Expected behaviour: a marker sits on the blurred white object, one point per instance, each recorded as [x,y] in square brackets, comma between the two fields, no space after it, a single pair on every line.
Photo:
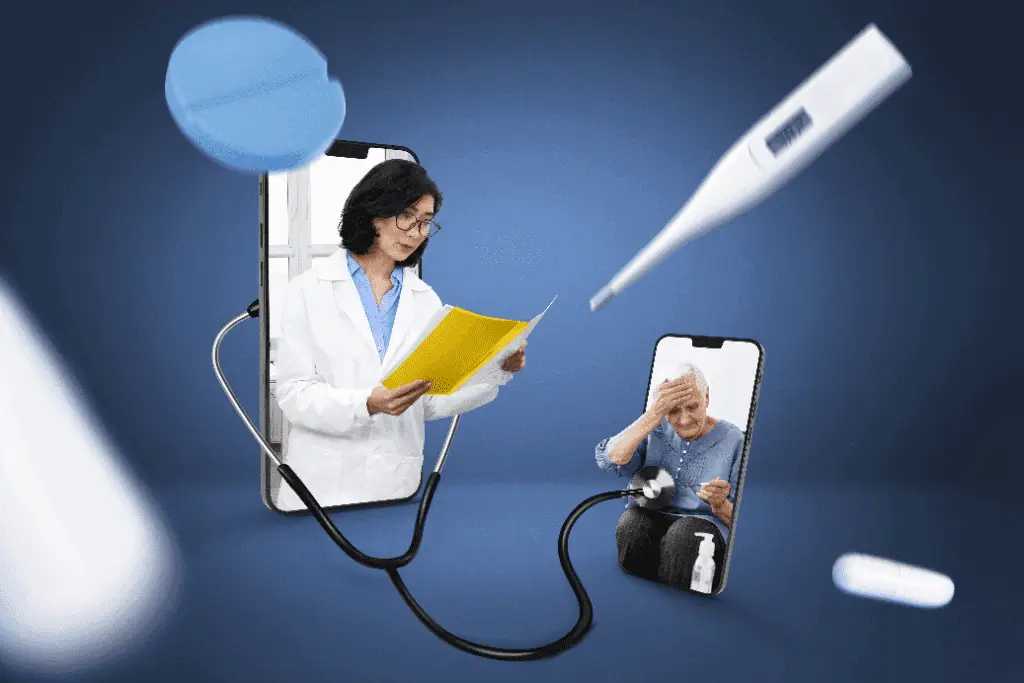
[882,579]
[821,110]
[87,562]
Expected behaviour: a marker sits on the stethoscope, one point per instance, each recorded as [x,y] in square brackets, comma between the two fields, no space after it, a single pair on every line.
[652,488]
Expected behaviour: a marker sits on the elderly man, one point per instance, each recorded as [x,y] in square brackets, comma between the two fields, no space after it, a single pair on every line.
[703,455]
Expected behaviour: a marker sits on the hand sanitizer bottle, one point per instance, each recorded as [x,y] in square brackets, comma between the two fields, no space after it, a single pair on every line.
[704,567]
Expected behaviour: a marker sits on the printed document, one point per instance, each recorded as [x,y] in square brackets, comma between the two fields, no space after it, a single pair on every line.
[458,347]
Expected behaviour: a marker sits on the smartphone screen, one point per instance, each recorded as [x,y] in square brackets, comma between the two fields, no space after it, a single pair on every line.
[702,441]
[300,214]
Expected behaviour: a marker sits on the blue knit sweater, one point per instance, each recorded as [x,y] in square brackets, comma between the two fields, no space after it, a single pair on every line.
[691,463]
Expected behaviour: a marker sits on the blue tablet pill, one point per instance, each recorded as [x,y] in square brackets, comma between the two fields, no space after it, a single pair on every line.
[253,94]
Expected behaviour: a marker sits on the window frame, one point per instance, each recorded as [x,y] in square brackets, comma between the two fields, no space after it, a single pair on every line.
[300,251]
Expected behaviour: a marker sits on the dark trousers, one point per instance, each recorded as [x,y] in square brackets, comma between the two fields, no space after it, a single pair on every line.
[663,548]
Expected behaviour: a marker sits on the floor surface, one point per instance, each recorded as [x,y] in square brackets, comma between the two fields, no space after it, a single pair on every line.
[270,598]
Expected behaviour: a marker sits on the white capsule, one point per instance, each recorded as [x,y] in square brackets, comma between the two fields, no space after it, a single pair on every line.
[86,562]
[881,579]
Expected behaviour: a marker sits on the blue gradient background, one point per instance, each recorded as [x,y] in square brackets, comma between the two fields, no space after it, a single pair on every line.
[881,282]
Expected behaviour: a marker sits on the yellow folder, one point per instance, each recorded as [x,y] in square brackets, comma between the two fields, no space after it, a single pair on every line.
[455,346]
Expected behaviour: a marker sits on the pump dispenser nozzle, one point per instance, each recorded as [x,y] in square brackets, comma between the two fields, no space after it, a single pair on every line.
[707,546]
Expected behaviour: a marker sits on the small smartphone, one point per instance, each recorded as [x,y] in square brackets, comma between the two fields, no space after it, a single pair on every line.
[300,211]
[716,429]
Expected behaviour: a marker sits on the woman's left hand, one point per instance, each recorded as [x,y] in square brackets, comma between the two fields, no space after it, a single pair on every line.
[715,493]
[517,361]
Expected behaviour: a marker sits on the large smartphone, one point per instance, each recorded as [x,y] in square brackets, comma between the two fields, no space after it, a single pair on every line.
[731,371]
[300,212]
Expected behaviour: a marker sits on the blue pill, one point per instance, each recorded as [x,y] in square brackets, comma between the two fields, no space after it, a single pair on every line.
[253,95]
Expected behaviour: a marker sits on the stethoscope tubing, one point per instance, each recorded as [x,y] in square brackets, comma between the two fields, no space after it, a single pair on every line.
[391,565]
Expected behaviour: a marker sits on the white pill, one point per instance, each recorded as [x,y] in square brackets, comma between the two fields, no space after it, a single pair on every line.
[881,579]
[86,562]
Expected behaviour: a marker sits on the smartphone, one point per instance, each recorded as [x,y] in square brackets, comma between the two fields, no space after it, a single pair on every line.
[300,212]
[728,372]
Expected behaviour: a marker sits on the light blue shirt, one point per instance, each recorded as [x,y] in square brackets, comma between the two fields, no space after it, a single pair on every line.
[691,463]
[381,317]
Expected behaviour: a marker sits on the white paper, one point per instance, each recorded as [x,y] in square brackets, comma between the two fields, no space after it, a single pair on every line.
[492,373]
[432,323]
[488,374]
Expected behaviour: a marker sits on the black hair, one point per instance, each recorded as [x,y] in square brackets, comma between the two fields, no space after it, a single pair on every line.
[388,189]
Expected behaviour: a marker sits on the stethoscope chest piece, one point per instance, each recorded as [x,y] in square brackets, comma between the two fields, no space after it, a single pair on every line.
[657,485]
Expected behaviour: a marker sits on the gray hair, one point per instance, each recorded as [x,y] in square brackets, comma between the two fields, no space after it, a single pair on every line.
[684,369]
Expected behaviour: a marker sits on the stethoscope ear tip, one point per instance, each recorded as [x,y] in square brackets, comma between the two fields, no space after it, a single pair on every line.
[254,309]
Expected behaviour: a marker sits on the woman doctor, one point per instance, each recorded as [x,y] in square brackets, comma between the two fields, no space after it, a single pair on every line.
[352,440]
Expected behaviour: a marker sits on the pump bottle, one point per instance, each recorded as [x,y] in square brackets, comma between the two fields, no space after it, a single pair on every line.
[704,568]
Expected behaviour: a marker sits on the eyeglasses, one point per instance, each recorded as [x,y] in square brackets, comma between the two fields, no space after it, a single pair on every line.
[407,222]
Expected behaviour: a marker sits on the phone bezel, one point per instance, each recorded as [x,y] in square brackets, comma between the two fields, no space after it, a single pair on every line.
[705,341]
[342,148]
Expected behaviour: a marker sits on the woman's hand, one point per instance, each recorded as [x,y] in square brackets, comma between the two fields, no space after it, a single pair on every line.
[395,401]
[674,394]
[716,494]
[517,361]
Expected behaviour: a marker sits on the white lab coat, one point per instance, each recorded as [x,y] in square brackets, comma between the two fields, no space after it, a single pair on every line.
[327,365]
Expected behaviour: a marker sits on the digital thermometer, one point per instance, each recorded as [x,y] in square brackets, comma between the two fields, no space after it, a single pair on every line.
[824,107]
